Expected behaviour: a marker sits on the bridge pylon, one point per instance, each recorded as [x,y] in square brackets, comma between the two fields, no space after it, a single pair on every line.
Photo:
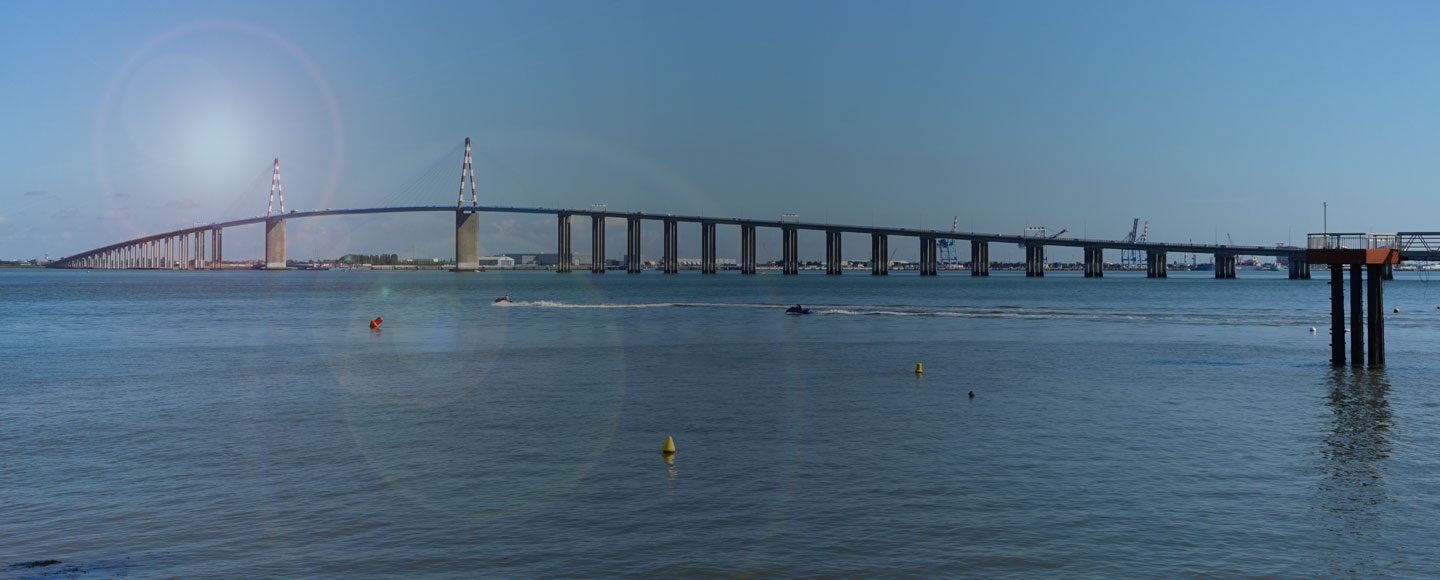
[275,223]
[467,222]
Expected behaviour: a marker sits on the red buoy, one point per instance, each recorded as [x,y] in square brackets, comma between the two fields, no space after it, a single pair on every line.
[375,324]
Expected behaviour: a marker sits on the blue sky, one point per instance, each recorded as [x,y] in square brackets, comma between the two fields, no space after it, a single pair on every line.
[1204,118]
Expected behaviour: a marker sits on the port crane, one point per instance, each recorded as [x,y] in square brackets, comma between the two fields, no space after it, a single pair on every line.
[947,245]
[1138,235]
[1039,232]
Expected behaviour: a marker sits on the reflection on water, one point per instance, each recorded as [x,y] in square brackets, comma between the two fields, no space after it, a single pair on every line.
[1353,496]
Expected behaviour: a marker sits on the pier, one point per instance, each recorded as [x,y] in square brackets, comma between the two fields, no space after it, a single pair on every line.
[1370,259]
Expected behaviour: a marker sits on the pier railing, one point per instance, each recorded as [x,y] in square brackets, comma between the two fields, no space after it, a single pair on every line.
[1353,241]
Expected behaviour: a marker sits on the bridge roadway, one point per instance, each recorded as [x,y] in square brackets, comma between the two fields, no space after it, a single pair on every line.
[187,247]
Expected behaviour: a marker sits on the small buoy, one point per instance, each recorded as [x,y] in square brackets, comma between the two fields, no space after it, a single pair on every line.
[375,324]
[972,394]
[1312,330]
[919,368]
[669,447]
[1396,311]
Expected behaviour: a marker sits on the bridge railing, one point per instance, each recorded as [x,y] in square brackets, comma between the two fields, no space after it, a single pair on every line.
[1419,241]
[1353,241]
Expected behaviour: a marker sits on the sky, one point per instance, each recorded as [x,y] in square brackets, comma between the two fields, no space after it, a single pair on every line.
[1206,119]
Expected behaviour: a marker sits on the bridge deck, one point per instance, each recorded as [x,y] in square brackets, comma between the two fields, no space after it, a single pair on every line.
[1219,249]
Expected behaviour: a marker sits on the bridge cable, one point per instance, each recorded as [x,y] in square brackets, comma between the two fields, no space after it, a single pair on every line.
[427,185]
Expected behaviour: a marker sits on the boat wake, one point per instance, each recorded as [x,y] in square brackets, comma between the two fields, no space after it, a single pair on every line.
[979,312]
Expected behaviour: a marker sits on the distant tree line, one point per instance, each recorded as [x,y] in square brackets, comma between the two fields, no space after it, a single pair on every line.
[381,259]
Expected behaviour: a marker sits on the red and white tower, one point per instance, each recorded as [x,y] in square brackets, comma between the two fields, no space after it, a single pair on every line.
[276,190]
[467,170]
[467,221]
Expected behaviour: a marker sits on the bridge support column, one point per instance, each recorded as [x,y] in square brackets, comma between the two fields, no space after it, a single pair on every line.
[564,257]
[707,248]
[832,253]
[1094,262]
[1376,310]
[274,244]
[597,244]
[1034,260]
[632,245]
[1224,266]
[790,242]
[1357,320]
[467,241]
[200,262]
[747,249]
[219,246]
[929,256]
[979,258]
[879,255]
[1387,272]
[1155,266]
[672,247]
[1337,312]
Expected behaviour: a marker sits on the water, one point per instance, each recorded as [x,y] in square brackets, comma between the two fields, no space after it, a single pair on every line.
[249,424]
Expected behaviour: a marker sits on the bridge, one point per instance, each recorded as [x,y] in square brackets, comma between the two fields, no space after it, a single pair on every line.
[201,247]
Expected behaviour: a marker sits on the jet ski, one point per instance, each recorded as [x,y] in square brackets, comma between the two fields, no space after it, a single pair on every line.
[797,310]
[502,300]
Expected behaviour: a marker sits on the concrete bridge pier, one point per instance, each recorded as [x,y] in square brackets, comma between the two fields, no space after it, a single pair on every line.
[832,253]
[564,257]
[1034,260]
[1155,265]
[672,247]
[632,245]
[597,244]
[218,240]
[791,250]
[1224,266]
[929,256]
[1094,262]
[979,258]
[201,263]
[747,249]
[707,248]
[879,255]
[1298,268]
[274,244]
[467,241]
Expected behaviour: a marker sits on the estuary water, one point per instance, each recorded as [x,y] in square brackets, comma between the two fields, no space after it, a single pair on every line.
[249,424]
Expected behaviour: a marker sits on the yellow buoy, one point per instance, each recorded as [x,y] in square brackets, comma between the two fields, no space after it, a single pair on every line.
[669,446]
[919,368]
